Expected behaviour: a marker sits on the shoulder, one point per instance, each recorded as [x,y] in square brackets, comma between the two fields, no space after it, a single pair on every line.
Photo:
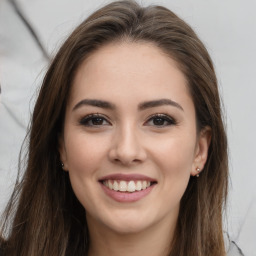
[232,248]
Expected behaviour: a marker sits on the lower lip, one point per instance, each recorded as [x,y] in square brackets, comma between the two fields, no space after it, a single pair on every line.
[127,197]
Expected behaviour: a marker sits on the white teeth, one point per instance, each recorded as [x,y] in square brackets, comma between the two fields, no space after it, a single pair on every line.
[144,184]
[126,186]
[115,186]
[131,186]
[110,184]
[123,186]
[138,186]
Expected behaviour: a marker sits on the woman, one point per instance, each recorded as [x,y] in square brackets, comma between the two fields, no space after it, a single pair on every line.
[127,152]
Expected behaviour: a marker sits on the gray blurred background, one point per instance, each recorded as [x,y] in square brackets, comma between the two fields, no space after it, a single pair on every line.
[32,30]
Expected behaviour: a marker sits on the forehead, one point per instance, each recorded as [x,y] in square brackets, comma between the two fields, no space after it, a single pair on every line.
[129,69]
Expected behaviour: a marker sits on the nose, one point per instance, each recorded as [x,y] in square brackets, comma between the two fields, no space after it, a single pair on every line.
[127,148]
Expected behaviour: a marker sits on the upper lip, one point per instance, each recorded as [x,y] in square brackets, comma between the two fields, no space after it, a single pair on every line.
[127,177]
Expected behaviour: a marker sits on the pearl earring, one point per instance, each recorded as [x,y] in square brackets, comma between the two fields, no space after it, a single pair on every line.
[198,171]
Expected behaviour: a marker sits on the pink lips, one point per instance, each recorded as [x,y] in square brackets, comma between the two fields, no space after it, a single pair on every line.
[127,196]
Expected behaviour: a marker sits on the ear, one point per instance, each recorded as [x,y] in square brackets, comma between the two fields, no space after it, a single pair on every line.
[201,151]
[63,153]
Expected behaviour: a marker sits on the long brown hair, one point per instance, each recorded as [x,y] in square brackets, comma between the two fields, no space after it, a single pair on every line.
[43,216]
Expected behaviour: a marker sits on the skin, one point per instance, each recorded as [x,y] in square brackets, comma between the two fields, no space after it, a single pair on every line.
[127,140]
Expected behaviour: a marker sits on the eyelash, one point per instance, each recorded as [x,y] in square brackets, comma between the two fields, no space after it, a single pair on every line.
[89,118]
[164,118]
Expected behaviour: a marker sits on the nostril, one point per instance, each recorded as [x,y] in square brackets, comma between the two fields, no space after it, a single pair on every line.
[126,154]
[127,161]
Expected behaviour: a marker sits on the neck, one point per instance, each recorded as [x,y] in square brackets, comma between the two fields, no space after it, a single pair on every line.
[155,241]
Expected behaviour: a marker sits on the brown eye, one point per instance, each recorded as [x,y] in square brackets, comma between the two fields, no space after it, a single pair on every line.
[160,120]
[97,121]
[94,120]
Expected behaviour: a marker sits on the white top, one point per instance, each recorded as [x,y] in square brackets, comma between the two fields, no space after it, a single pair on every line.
[232,248]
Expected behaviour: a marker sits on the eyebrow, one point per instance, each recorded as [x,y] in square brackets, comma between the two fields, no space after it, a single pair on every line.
[142,106]
[95,103]
[158,103]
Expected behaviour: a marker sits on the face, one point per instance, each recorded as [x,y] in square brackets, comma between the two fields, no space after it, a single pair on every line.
[130,142]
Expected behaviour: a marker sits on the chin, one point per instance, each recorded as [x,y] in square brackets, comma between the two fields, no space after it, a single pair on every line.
[128,222]
[129,228]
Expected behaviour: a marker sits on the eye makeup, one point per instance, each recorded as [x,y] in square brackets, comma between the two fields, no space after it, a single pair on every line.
[160,120]
[97,120]
[94,120]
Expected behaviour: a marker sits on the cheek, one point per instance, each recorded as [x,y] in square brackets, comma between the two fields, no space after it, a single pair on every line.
[176,152]
[175,163]
[174,158]
[84,153]
[84,157]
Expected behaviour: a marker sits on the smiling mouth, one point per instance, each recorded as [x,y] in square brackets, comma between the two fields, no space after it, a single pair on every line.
[127,186]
